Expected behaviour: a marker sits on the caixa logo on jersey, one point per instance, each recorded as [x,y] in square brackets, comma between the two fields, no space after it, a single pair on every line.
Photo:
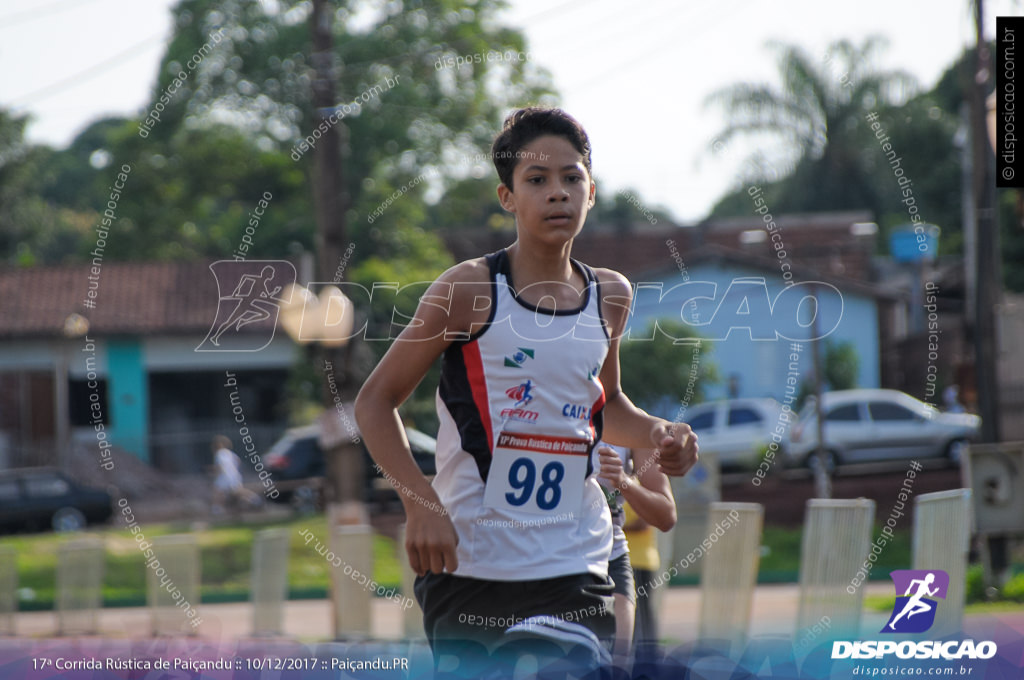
[918,592]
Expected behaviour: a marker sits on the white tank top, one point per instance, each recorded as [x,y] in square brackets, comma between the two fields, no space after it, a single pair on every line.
[520,407]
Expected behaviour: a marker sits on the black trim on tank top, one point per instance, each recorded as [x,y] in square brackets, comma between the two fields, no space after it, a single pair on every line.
[492,266]
[600,308]
[505,267]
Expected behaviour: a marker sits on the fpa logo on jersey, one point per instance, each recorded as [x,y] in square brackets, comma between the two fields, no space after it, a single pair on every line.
[521,395]
[918,592]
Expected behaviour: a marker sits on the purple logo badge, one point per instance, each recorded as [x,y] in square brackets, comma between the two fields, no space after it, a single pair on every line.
[914,611]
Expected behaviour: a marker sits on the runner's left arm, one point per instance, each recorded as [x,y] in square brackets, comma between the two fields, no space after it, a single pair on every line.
[624,423]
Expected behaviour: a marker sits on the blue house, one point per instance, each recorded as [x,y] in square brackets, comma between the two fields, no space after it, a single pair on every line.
[730,281]
[754,315]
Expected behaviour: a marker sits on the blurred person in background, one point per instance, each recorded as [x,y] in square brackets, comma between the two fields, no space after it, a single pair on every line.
[645,560]
[633,476]
[227,483]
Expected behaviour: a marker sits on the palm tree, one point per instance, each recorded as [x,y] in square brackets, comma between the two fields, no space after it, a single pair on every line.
[818,115]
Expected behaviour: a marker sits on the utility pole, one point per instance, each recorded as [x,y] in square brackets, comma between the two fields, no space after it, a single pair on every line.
[988,277]
[822,476]
[987,266]
[344,462]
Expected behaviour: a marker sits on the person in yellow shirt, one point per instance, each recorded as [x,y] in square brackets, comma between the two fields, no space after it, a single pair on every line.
[632,480]
[643,555]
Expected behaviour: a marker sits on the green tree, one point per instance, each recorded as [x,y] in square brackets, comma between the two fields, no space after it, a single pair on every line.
[412,119]
[658,374]
[190,195]
[841,365]
[626,210]
[472,203]
[33,229]
[818,117]
[923,136]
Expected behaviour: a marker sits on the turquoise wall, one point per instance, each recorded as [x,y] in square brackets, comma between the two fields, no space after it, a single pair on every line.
[128,396]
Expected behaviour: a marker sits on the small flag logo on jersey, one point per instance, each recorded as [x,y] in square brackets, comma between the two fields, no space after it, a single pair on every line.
[519,357]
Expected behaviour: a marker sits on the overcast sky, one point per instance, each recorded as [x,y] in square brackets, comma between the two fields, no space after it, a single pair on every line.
[636,78]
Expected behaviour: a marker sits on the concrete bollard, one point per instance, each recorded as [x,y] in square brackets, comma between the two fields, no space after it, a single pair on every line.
[836,540]
[79,585]
[732,543]
[8,589]
[942,537]
[269,586]
[412,617]
[351,593]
[172,581]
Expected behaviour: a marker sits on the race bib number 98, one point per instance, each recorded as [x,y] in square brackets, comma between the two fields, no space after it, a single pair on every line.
[537,474]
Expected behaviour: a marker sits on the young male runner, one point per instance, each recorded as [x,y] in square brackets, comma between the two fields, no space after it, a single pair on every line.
[529,383]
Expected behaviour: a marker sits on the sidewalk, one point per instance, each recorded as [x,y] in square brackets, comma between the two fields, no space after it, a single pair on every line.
[774,612]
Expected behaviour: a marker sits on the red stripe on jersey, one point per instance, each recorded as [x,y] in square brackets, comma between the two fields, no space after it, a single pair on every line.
[596,408]
[478,385]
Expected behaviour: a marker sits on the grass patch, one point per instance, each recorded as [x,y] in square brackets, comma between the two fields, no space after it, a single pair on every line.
[225,559]
[226,563]
[780,557]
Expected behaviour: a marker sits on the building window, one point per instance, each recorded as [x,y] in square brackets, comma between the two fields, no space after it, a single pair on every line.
[82,408]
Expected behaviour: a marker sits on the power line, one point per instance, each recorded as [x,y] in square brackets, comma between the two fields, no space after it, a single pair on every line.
[87,74]
[656,47]
[39,12]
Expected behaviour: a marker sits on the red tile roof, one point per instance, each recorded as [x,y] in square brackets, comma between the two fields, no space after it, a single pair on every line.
[134,298]
[151,298]
[820,242]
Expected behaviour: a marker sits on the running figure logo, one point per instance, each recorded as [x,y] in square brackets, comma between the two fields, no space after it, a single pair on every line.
[256,292]
[522,393]
[914,611]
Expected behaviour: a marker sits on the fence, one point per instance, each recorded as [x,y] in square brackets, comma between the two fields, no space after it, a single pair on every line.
[729,571]
[942,536]
[79,585]
[836,539]
[269,588]
[178,557]
[8,589]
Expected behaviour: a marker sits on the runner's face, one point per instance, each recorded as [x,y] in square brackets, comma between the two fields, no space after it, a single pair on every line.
[553,191]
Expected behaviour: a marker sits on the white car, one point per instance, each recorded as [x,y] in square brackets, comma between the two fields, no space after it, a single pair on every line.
[737,431]
[874,425]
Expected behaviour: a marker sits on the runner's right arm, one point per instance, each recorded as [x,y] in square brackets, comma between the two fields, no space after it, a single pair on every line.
[445,309]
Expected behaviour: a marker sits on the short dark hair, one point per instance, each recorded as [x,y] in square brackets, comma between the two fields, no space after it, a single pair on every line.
[525,125]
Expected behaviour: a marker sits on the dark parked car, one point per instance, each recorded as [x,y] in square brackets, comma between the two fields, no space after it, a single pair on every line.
[297,464]
[36,498]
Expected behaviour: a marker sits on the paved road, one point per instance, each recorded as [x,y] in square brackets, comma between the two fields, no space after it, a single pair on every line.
[774,612]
